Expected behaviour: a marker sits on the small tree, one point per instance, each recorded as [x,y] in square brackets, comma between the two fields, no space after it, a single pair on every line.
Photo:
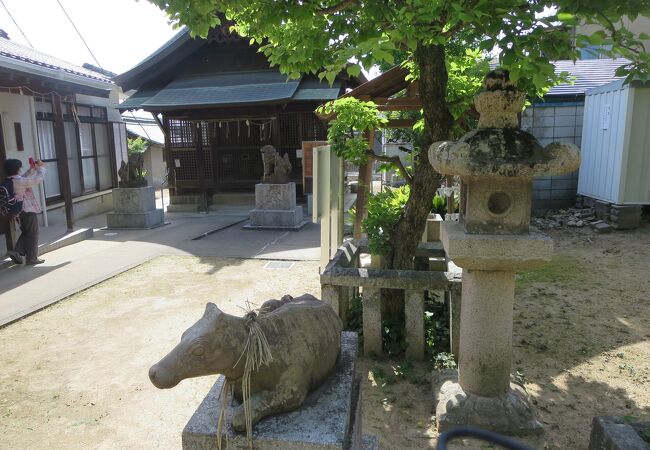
[132,173]
[136,146]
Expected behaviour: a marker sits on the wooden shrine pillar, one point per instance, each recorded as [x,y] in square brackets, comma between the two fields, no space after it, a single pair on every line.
[200,167]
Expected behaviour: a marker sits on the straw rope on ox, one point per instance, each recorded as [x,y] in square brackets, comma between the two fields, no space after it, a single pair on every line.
[256,353]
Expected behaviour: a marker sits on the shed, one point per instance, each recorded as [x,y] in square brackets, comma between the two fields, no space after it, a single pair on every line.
[558,117]
[616,144]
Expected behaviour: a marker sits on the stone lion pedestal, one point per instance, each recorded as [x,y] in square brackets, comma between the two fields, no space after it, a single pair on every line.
[275,208]
[134,208]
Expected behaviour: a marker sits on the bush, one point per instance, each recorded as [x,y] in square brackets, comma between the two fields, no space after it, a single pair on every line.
[137,145]
[384,210]
[436,331]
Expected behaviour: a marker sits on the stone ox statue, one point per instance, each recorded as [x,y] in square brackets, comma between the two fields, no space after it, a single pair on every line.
[304,336]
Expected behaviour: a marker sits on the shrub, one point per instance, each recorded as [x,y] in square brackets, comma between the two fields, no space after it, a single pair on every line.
[384,210]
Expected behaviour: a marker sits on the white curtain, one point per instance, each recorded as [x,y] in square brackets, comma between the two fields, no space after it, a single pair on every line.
[46,150]
[103,156]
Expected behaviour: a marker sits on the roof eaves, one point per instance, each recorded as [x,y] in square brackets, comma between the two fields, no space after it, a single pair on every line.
[53,73]
[18,52]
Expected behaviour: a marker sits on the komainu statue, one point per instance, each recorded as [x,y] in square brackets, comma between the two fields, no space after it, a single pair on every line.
[132,173]
[271,359]
[276,168]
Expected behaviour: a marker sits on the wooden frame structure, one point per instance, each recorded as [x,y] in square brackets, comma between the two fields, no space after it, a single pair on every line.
[382,91]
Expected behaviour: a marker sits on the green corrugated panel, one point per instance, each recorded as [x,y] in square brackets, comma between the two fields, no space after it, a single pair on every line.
[316,90]
[224,89]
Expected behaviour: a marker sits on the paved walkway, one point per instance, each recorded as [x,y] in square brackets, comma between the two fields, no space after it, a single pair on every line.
[71,268]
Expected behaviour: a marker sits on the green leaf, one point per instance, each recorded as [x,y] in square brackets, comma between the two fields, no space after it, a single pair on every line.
[354,70]
[330,76]
[567,18]
[597,38]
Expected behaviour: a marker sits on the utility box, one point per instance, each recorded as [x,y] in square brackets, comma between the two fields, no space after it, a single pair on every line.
[615,149]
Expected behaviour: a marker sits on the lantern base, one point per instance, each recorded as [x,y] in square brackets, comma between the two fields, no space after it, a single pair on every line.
[510,413]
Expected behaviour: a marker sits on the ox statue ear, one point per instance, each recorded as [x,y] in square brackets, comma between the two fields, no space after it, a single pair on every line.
[211,308]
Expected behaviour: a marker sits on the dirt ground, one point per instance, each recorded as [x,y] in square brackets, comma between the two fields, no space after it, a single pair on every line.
[75,375]
[581,344]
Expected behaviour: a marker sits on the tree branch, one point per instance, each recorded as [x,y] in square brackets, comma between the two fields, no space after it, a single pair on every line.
[345,4]
[615,35]
[393,160]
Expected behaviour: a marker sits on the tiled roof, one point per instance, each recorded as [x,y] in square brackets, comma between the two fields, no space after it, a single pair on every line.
[317,90]
[230,88]
[217,89]
[13,50]
[588,73]
[225,88]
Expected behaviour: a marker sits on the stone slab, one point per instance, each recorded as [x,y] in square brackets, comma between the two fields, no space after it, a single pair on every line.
[298,227]
[148,219]
[602,209]
[626,224]
[134,200]
[68,239]
[433,228]
[276,218]
[438,264]
[614,433]
[182,207]
[184,199]
[275,196]
[495,252]
[626,210]
[601,227]
[330,418]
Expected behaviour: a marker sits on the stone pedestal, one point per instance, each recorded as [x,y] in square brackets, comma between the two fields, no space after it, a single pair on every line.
[275,208]
[134,208]
[508,413]
[482,394]
[330,418]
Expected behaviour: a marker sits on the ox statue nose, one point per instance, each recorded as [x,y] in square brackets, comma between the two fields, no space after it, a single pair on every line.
[153,376]
[160,378]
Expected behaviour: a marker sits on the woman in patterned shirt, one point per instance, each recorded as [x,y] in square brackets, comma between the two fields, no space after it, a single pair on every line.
[27,244]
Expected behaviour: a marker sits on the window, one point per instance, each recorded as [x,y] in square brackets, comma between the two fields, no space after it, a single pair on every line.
[48,156]
[595,51]
[88,148]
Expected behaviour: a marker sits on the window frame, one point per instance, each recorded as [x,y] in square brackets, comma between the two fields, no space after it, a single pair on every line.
[98,115]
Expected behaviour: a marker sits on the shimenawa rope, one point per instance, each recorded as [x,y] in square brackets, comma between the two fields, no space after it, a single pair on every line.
[256,352]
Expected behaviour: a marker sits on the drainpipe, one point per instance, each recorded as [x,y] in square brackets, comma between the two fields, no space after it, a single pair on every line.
[41,189]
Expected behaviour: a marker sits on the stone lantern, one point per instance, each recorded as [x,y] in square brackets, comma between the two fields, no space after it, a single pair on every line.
[496,164]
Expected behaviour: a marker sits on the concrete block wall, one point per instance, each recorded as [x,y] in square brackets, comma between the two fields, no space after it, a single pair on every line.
[554,122]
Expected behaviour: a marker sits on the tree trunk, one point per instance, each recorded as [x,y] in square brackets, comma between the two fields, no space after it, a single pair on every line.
[437,126]
[364,182]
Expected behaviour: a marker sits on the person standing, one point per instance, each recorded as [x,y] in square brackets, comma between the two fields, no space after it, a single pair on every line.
[27,244]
